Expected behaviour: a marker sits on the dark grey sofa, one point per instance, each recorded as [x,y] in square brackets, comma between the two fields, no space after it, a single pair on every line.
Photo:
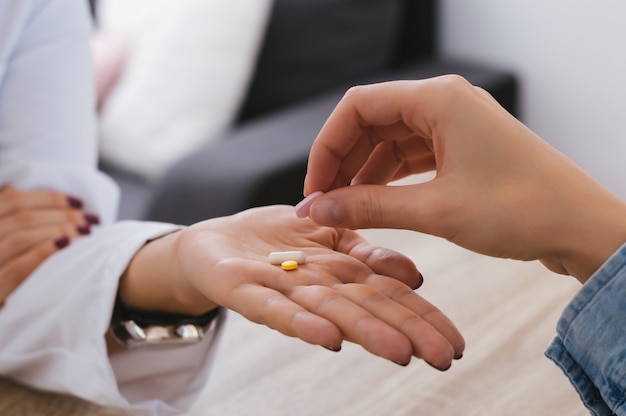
[313,51]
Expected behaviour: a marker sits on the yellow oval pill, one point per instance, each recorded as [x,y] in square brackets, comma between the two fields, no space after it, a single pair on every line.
[289,265]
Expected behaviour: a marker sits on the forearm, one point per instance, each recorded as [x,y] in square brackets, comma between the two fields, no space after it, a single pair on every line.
[593,223]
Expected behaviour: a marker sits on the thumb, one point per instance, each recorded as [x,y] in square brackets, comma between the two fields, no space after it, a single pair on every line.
[376,206]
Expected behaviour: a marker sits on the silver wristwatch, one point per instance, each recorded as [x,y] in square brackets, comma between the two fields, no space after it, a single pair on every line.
[139,329]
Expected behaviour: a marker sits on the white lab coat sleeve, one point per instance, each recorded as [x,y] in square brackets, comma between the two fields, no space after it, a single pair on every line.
[47,103]
[53,327]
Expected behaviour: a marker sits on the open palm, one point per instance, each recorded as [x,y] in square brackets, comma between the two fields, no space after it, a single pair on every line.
[347,289]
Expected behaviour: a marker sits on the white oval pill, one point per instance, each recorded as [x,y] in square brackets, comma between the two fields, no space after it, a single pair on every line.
[278,257]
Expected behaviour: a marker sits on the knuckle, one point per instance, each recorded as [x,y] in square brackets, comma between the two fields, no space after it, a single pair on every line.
[367,296]
[402,292]
[58,199]
[372,298]
[273,302]
[353,92]
[449,87]
[73,217]
[367,321]
[69,230]
[369,210]
[12,197]
[325,296]
[412,322]
[24,218]
[270,307]
[20,242]
[453,82]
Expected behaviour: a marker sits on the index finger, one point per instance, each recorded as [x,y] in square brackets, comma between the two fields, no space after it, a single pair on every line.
[365,116]
[12,199]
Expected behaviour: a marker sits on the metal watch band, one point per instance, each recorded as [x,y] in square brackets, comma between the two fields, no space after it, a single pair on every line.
[139,329]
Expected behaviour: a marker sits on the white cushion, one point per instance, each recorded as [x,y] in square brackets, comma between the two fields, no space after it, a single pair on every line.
[188,66]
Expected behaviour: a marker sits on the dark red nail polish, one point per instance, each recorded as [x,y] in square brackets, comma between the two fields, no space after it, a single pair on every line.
[62,242]
[83,229]
[446,368]
[333,349]
[420,281]
[92,219]
[74,202]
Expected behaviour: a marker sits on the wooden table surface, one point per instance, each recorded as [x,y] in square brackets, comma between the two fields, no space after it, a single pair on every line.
[506,310]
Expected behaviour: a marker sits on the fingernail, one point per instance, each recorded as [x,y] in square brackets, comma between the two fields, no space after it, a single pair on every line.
[62,242]
[333,349]
[83,229]
[327,212]
[92,219]
[458,357]
[420,282]
[302,209]
[441,368]
[74,202]
[403,364]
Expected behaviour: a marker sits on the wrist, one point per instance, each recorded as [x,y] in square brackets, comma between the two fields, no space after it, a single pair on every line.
[152,282]
[598,233]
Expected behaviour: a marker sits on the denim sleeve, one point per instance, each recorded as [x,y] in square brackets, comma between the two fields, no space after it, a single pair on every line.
[590,346]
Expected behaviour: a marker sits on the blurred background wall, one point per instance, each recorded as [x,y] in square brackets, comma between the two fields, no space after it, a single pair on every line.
[570,56]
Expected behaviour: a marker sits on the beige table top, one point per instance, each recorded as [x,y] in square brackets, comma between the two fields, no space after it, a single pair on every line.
[506,310]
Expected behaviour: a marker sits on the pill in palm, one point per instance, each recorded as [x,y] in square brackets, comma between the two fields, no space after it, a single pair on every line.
[278,257]
[289,265]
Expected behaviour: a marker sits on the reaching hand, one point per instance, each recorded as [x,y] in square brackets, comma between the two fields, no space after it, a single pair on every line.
[347,289]
[499,189]
[33,226]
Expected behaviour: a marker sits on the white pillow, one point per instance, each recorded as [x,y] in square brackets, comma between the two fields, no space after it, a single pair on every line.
[187,69]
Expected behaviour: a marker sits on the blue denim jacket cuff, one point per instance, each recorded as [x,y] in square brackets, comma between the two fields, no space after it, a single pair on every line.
[590,346]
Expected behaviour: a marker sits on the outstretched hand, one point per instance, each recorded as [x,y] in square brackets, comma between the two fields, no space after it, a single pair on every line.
[346,290]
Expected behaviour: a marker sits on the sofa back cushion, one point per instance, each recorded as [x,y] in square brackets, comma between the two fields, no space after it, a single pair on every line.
[313,45]
[184,80]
